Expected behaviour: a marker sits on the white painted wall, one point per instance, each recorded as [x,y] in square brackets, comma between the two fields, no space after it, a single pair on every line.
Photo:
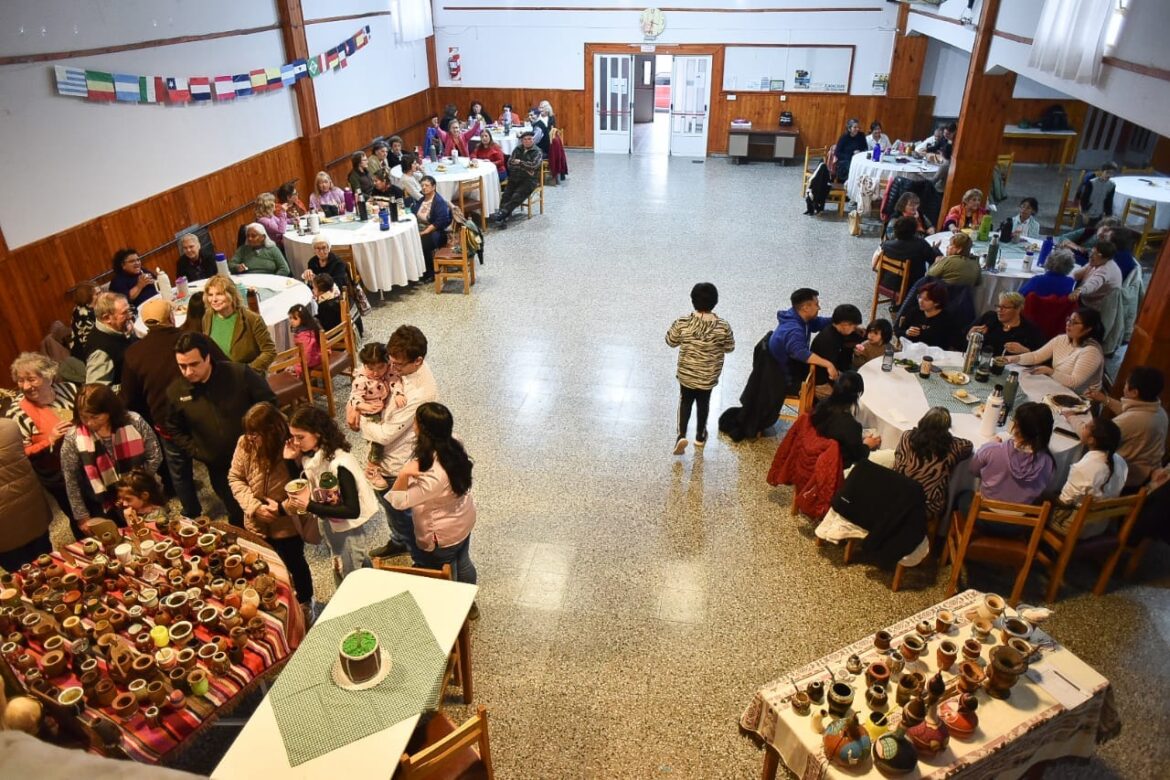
[546,49]
[944,75]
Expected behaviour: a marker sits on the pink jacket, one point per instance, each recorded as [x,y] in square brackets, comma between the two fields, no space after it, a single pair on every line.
[275,226]
[311,340]
[441,518]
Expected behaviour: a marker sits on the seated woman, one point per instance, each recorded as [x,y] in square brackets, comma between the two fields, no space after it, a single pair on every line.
[849,144]
[1077,359]
[489,150]
[434,217]
[878,334]
[288,201]
[236,329]
[394,156]
[931,324]
[384,188]
[1100,473]
[324,261]
[907,206]
[833,418]
[1025,226]
[130,280]
[107,441]
[1005,330]
[259,254]
[967,214]
[360,180]
[274,221]
[906,245]
[1055,280]
[477,114]
[876,136]
[929,453]
[411,181]
[959,267]
[194,263]
[1018,468]
[457,141]
[326,198]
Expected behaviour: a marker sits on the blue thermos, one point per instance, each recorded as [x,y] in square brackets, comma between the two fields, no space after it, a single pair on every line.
[385,215]
[1045,250]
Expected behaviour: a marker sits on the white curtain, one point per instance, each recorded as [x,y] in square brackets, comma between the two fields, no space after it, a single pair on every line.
[1070,38]
[412,19]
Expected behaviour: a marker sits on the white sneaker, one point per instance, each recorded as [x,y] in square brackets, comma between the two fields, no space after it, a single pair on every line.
[680,446]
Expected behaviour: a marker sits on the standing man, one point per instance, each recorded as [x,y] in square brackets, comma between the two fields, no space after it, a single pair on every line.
[395,430]
[789,344]
[206,407]
[523,176]
[148,370]
[107,342]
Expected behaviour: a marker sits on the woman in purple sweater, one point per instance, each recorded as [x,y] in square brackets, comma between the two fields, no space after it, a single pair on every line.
[1019,469]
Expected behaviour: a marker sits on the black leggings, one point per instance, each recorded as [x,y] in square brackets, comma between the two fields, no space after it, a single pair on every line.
[687,396]
[292,551]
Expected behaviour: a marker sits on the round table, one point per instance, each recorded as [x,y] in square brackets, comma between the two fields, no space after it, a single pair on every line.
[894,401]
[277,295]
[508,141]
[986,295]
[384,258]
[879,172]
[447,181]
[1146,190]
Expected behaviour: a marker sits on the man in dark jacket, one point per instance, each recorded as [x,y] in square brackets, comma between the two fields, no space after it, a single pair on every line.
[148,370]
[523,176]
[206,408]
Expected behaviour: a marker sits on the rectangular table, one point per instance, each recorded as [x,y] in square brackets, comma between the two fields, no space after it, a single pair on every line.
[1067,137]
[259,751]
[1044,719]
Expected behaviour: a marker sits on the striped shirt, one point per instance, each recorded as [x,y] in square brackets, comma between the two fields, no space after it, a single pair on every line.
[703,339]
[934,474]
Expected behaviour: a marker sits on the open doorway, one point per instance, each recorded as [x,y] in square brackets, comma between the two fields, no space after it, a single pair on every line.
[652,97]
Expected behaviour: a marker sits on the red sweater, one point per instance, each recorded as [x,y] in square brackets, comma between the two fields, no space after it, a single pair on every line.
[493,153]
[811,464]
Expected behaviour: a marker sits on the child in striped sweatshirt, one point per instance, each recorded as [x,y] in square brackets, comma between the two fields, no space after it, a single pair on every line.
[703,339]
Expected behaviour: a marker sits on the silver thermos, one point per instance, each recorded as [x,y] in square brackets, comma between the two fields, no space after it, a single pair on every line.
[971,356]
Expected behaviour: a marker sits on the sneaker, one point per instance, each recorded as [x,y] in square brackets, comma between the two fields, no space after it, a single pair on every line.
[474,613]
[680,446]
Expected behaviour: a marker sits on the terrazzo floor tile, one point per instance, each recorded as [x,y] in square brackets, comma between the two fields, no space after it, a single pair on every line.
[632,601]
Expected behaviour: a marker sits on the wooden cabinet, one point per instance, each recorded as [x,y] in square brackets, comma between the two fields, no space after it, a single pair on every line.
[762,143]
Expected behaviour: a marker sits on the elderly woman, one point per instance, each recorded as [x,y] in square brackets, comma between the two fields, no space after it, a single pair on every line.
[376,162]
[107,441]
[1005,330]
[24,534]
[1077,359]
[324,261]
[274,220]
[359,174]
[931,323]
[907,206]
[44,414]
[1055,280]
[849,144]
[394,156]
[967,214]
[959,266]
[236,329]
[457,141]
[130,280]
[194,263]
[325,194]
[876,136]
[259,254]
[489,150]
[434,217]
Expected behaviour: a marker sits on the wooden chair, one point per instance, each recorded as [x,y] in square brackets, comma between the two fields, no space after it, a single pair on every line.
[338,354]
[1069,210]
[883,294]
[899,570]
[1058,549]
[813,155]
[345,253]
[290,387]
[1135,171]
[449,751]
[470,199]
[450,264]
[459,664]
[1151,238]
[802,402]
[963,542]
[1004,163]
[538,192]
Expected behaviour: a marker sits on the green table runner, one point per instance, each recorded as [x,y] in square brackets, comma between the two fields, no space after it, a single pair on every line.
[940,392]
[316,717]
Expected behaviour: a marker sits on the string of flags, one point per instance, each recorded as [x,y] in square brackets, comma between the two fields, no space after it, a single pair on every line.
[100,86]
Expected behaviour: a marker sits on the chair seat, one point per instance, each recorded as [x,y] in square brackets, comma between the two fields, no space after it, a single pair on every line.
[466,764]
[998,549]
[288,387]
[339,361]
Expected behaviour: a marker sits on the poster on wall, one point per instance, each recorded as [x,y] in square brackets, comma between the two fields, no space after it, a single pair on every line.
[881,83]
[803,80]
[454,65]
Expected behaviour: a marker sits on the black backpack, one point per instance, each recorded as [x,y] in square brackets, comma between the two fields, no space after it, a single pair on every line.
[1054,118]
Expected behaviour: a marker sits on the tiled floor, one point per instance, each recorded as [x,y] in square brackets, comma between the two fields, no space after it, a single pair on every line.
[633,601]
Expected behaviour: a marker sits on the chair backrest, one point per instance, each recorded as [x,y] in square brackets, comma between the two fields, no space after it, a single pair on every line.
[1004,163]
[447,751]
[436,574]
[1049,312]
[1139,211]
[470,188]
[808,391]
[289,358]
[899,267]
[1100,511]
[1128,171]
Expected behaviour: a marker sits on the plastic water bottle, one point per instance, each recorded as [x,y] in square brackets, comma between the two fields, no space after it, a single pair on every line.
[1045,250]
[181,287]
[385,217]
[221,266]
[349,200]
[877,152]
[888,358]
[163,282]
[991,412]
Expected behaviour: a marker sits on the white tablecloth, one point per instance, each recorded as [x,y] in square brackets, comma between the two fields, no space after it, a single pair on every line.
[1146,190]
[995,282]
[881,172]
[273,308]
[259,749]
[508,141]
[893,403]
[448,181]
[385,258]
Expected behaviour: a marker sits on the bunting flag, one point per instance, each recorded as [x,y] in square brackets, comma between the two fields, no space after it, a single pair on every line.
[99,86]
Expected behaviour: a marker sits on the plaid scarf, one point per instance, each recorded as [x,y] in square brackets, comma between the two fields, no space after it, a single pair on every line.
[102,471]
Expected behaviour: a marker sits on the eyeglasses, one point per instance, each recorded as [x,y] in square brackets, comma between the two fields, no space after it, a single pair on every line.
[1073,321]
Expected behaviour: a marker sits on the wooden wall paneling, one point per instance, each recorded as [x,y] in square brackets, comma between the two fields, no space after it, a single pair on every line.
[574,110]
[1150,344]
[907,61]
[924,117]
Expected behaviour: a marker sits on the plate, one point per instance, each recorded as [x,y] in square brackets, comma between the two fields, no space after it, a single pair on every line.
[1063,403]
[343,682]
[956,377]
[970,399]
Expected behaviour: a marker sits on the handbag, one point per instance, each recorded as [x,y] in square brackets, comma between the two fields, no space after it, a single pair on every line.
[855,223]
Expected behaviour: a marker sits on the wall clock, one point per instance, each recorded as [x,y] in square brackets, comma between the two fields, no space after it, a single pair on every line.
[653,22]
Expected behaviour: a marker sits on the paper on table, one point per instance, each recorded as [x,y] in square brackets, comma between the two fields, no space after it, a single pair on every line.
[1061,676]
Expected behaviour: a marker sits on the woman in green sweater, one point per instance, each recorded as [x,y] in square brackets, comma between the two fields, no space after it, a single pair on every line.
[236,329]
[259,254]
